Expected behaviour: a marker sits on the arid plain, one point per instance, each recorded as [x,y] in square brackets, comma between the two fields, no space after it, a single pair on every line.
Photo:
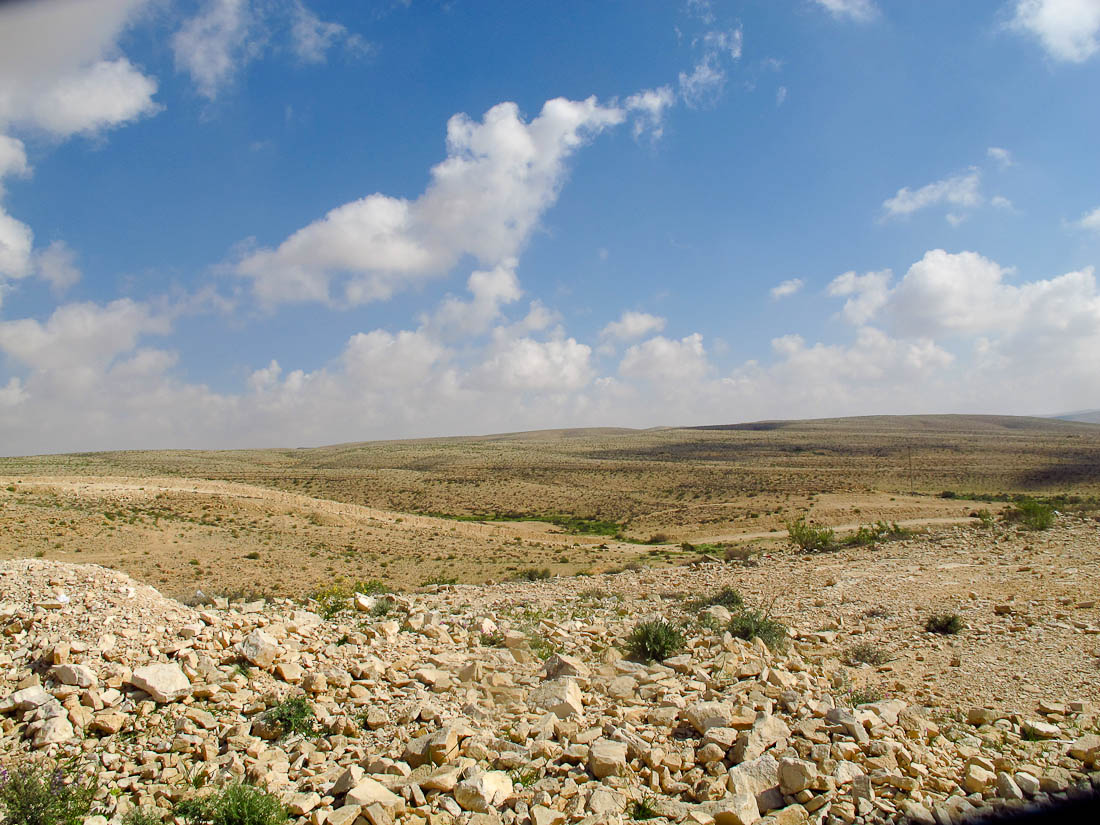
[284,521]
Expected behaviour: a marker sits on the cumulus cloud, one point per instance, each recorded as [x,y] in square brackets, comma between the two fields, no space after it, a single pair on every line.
[484,200]
[959,191]
[60,73]
[666,361]
[859,10]
[633,325]
[786,288]
[1069,30]
[491,289]
[1090,221]
[556,366]
[866,294]
[56,264]
[312,37]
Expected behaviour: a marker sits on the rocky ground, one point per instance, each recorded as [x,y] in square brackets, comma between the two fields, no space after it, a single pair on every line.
[515,703]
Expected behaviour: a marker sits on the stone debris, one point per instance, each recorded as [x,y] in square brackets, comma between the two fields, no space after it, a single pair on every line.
[460,709]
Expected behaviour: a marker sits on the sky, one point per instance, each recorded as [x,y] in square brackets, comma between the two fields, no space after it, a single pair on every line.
[252,223]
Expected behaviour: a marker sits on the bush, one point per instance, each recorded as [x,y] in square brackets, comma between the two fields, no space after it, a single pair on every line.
[809,538]
[44,794]
[946,624]
[865,696]
[1035,515]
[871,534]
[727,597]
[984,517]
[534,574]
[142,816]
[293,715]
[642,809]
[657,639]
[235,804]
[756,624]
[867,653]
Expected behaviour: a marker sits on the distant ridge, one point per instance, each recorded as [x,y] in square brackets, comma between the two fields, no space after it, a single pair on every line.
[915,422]
[1082,416]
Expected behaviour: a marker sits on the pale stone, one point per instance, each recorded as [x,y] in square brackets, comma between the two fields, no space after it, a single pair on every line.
[977,779]
[738,809]
[561,697]
[1037,729]
[301,804]
[796,775]
[164,682]
[1026,783]
[560,665]
[705,715]
[1007,787]
[52,731]
[259,648]
[607,758]
[370,791]
[483,791]
[765,732]
[80,676]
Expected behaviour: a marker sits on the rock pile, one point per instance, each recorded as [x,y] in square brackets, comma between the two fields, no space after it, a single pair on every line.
[442,710]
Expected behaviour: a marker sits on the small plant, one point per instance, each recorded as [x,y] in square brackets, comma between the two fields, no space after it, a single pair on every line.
[870,534]
[657,538]
[141,816]
[235,804]
[985,518]
[253,556]
[809,538]
[494,639]
[524,779]
[727,597]
[946,624]
[655,640]
[293,715]
[642,809]
[381,608]
[866,653]
[1035,515]
[756,624]
[865,696]
[534,574]
[44,794]
[438,580]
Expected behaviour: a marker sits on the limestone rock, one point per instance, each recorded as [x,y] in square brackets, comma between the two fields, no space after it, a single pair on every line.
[164,682]
[483,791]
[560,696]
[259,648]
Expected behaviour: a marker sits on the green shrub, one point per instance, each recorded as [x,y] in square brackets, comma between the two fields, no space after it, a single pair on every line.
[381,608]
[235,804]
[44,794]
[809,538]
[142,816]
[657,639]
[642,809]
[867,653]
[984,517]
[727,597]
[756,624]
[865,696]
[946,624]
[293,715]
[871,534]
[1035,515]
[534,574]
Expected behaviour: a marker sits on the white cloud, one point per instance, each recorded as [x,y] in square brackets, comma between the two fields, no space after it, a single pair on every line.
[312,37]
[1000,202]
[786,288]
[858,10]
[866,294]
[649,106]
[1068,30]
[666,361]
[957,191]
[780,95]
[633,325]
[215,42]
[1090,221]
[56,264]
[704,85]
[455,318]
[59,68]
[1002,157]
[555,366]
[483,200]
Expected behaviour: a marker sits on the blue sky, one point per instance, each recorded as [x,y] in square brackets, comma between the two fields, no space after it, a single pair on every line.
[294,222]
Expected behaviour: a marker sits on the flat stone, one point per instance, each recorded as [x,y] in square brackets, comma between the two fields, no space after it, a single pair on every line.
[737,809]
[164,682]
[607,758]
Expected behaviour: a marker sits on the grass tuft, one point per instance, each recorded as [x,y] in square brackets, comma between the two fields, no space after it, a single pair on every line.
[293,715]
[810,539]
[655,640]
[756,624]
[946,624]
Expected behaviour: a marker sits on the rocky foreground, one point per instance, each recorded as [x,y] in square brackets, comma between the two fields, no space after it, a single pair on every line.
[505,704]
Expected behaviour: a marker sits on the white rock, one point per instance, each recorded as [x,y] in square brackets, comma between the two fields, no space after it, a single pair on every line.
[483,792]
[164,682]
[259,648]
[80,676]
[561,697]
[370,791]
[705,715]
[738,809]
[607,758]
